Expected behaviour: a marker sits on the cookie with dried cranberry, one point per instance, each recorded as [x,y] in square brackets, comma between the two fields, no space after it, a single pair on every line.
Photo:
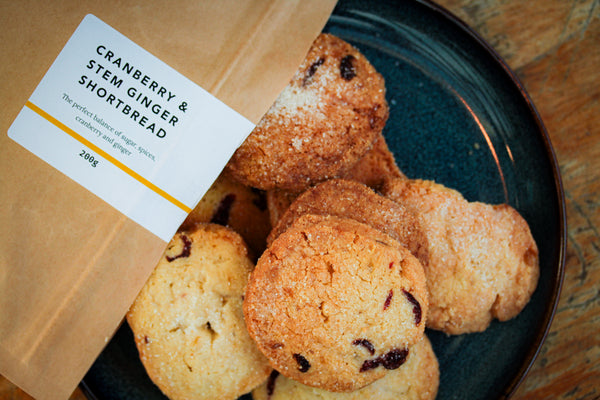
[483,260]
[188,323]
[334,303]
[230,203]
[355,200]
[417,379]
[321,124]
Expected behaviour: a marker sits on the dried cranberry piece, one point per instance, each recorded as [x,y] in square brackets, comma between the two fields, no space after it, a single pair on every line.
[311,70]
[221,214]
[271,382]
[394,358]
[416,306]
[185,252]
[347,67]
[370,364]
[391,360]
[365,343]
[388,299]
[303,363]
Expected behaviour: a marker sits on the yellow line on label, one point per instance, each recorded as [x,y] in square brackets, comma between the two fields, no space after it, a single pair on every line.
[107,156]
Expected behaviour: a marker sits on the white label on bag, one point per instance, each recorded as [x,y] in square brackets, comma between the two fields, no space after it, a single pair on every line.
[129,128]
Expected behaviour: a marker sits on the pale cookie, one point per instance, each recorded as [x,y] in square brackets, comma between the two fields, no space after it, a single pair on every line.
[321,124]
[230,203]
[188,323]
[355,200]
[334,303]
[417,379]
[483,260]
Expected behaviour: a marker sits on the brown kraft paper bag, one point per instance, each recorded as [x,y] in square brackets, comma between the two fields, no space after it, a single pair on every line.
[70,264]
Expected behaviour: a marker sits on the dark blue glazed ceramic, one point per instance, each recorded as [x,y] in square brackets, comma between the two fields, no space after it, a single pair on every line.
[460,117]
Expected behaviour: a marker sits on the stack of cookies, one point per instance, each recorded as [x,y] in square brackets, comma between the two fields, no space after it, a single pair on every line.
[313,266]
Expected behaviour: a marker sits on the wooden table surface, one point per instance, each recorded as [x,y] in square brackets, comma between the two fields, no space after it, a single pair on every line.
[554,48]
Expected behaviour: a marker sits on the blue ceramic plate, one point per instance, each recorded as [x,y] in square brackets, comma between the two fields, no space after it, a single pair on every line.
[460,117]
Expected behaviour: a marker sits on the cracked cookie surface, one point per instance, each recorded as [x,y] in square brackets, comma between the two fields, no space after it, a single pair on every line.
[325,288]
[188,323]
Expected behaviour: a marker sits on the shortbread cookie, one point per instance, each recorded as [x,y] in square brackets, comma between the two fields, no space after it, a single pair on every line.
[230,203]
[417,379]
[188,323]
[355,200]
[321,124]
[376,166]
[373,169]
[278,201]
[334,303]
[483,260]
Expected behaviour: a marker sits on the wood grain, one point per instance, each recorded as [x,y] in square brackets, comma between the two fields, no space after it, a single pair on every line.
[554,48]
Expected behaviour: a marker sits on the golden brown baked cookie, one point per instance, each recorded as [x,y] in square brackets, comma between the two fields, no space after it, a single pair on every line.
[373,169]
[417,379]
[334,303]
[188,323]
[230,203]
[355,200]
[321,124]
[278,201]
[376,166]
[483,260]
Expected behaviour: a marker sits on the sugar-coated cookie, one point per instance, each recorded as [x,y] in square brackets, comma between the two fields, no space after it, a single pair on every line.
[334,303]
[230,203]
[321,124]
[417,379]
[355,200]
[188,323]
[373,169]
[483,260]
